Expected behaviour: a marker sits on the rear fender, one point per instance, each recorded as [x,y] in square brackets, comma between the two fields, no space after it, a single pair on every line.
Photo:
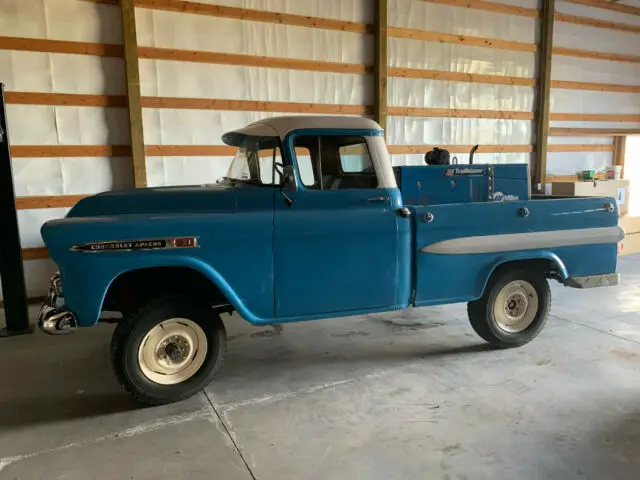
[521,258]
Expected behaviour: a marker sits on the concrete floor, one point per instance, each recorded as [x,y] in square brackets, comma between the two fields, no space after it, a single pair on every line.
[408,395]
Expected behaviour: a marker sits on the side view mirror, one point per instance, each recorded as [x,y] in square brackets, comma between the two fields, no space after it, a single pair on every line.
[289,184]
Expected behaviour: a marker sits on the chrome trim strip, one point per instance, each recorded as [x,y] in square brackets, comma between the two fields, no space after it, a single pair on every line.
[592,281]
[135,245]
[526,241]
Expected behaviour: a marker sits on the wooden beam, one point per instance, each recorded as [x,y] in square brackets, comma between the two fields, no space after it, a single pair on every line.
[458,113]
[65,99]
[380,68]
[490,7]
[533,13]
[596,87]
[134,105]
[221,11]
[430,36]
[200,56]
[460,76]
[104,2]
[607,5]
[593,117]
[585,147]
[457,149]
[190,150]
[597,23]
[35,253]
[254,106]
[543,94]
[612,57]
[593,132]
[36,151]
[228,151]
[51,201]
[60,46]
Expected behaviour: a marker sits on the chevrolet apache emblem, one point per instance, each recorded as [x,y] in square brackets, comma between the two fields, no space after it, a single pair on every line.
[135,245]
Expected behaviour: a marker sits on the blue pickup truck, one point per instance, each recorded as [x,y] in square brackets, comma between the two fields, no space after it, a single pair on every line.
[312,221]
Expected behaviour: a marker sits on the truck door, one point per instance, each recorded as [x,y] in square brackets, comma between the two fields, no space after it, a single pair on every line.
[335,246]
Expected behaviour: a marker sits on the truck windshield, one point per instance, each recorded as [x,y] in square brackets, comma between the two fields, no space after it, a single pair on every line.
[257,161]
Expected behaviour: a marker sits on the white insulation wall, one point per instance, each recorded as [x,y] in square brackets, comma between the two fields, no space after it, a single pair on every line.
[409,92]
[22,71]
[200,80]
[590,70]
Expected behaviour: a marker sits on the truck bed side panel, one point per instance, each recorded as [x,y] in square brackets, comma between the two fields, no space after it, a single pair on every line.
[459,248]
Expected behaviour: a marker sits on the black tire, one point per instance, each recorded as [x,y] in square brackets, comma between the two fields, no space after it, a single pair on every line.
[482,316]
[133,328]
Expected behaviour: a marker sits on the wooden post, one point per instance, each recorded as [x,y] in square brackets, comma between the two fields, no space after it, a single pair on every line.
[134,105]
[619,150]
[543,94]
[380,70]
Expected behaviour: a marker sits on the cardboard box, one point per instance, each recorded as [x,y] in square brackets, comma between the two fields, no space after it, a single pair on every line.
[630,224]
[630,244]
[618,189]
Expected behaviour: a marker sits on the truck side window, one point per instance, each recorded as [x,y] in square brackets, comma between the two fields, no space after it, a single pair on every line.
[334,162]
[258,160]
[305,167]
[269,159]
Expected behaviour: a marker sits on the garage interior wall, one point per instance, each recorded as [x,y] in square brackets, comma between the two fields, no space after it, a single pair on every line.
[460,73]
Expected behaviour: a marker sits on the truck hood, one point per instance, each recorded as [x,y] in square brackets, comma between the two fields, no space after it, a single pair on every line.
[171,200]
[157,213]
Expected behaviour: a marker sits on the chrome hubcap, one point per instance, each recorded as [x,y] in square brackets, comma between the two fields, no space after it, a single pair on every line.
[172,351]
[516,306]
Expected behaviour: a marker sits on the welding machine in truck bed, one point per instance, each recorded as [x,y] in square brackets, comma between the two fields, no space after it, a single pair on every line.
[439,184]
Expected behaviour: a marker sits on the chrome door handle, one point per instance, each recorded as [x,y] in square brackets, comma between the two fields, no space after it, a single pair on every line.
[377,199]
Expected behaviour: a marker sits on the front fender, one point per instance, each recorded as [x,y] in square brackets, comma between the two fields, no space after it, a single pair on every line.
[85,294]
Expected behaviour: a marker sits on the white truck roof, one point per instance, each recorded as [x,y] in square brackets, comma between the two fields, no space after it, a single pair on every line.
[280,126]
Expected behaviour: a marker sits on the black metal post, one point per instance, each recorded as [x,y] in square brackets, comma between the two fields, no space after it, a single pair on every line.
[14,291]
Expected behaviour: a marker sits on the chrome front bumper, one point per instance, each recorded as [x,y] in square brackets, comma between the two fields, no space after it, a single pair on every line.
[593,281]
[54,319]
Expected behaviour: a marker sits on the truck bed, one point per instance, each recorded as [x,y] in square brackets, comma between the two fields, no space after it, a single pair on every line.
[456,241]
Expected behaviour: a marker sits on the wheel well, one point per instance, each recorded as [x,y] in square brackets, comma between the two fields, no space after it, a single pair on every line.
[133,288]
[548,267]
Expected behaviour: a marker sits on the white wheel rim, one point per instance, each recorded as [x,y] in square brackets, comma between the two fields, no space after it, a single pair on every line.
[172,351]
[516,306]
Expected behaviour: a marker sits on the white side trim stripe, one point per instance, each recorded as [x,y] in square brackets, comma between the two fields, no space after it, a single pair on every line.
[526,241]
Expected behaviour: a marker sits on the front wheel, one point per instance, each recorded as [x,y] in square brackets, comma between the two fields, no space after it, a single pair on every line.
[513,309]
[168,349]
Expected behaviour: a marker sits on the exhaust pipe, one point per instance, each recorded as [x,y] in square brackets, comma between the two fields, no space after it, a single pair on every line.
[473,150]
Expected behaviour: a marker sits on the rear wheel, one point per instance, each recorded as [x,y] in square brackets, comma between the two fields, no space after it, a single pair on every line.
[513,309]
[168,349]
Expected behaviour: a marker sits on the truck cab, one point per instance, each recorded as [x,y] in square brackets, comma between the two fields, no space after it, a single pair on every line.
[312,221]
[337,211]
